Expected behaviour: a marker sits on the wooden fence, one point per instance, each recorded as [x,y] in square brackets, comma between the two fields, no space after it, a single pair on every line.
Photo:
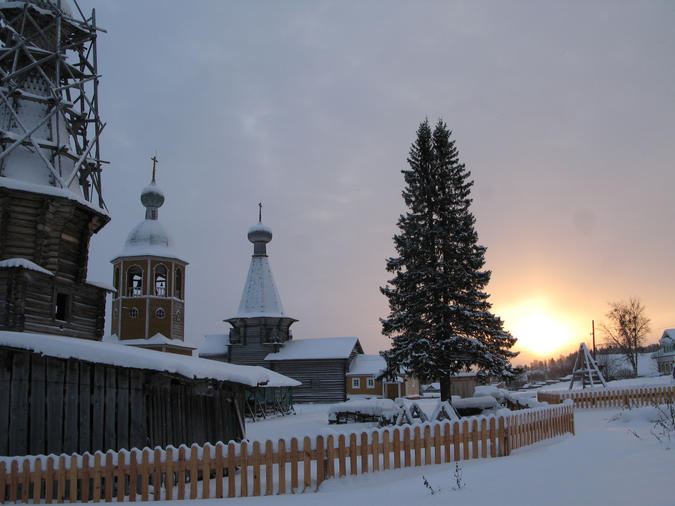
[244,469]
[612,397]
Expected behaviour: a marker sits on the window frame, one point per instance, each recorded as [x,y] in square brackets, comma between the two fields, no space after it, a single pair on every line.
[370,383]
[356,382]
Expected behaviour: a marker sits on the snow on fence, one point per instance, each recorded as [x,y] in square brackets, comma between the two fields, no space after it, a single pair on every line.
[612,397]
[245,469]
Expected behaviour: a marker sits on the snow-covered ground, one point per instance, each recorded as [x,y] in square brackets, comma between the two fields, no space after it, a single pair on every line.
[614,459]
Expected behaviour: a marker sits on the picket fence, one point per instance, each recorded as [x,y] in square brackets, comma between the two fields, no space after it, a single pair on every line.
[245,469]
[612,397]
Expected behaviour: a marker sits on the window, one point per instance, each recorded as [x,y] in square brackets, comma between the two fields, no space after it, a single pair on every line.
[62,306]
[160,281]
[116,313]
[371,383]
[134,281]
[356,382]
[160,313]
[133,313]
[178,284]
[179,316]
[235,336]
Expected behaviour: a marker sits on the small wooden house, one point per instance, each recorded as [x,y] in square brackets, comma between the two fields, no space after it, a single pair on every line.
[365,378]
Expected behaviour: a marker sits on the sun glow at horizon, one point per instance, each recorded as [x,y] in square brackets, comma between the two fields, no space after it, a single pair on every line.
[538,329]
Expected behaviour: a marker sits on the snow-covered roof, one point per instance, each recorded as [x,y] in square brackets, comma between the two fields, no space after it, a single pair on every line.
[260,296]
[45,188]
[148,238]
[668,334]
[367,365]
[214,344]
[22,263]
[157,339]
[319,348]
[125,356]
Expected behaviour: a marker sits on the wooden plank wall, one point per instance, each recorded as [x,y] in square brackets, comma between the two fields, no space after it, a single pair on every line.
[54,405]
[298,465]
[322,380]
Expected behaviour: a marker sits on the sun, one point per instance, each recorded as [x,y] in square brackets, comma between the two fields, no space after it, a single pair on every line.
[537,328]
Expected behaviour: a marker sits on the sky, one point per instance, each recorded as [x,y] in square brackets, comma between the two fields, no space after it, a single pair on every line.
[564,112]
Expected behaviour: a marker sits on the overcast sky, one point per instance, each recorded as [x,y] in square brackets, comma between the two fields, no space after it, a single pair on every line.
[563,111]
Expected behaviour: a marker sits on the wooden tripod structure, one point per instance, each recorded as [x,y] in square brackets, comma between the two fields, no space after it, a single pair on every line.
[586,370]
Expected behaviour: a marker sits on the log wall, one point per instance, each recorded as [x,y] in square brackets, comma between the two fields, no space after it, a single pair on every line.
[54,405]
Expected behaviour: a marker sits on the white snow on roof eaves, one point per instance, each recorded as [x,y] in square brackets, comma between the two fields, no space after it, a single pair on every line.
[140,358]
[214,344]
[157,339]
[23,263]
[102,284]
[319,348]
[15,184]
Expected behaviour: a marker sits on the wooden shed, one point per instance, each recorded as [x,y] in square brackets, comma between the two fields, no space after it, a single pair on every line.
[65,395]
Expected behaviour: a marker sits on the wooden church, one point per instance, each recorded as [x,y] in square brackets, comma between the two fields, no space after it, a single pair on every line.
[261,335]
[61,388]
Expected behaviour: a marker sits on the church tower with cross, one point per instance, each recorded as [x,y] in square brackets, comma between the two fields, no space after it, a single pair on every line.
[148,307]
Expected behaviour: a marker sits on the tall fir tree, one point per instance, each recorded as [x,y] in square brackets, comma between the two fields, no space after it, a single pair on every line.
[439,320]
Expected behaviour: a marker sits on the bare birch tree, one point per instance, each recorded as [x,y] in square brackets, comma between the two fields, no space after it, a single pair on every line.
[627,328]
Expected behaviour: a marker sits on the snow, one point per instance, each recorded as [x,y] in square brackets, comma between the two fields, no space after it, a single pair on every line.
[214,344]
[260,296]
[613,459]
[148,238]
[157,339]
[367,365]
[114,354]
[44,188]
[102,284]
[22,263]
[373,407]
[319,348]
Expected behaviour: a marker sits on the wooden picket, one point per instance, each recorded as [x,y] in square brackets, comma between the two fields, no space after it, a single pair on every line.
[239,470]
[613,397]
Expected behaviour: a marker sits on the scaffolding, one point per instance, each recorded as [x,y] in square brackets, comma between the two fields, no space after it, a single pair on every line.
[49,115]
[586,370]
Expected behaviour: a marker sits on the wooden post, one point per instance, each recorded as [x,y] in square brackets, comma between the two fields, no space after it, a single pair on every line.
[437,444]
[72,479]
[386,449]
[483,438]
[219,469]
[474,439]
[364,452]
[231,470]
[342,455]
[3,482]
[320,470]
[97,478]
[282,466]
[330,457]
[465,440]
[456,441]
[38,479]
[145,475]
[397,448]
[493,438]
[60,481]
[25,481]
[376,451]
[14,482]
[417,442]
[168,477]
[180,468]
[255,464]
[307,463]
[447,441]
[502,438]
[269,468]
[406,447]
[243,472]
[294,464]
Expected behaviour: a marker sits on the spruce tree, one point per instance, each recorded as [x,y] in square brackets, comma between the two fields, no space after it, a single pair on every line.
[439,316]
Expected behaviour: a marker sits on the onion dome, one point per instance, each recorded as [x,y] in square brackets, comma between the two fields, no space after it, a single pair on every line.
[152,196]
[259,233]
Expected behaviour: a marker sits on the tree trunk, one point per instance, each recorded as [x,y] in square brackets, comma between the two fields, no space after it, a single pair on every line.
[446,394]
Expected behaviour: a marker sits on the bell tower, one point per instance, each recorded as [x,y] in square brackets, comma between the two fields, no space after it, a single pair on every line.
[148,307]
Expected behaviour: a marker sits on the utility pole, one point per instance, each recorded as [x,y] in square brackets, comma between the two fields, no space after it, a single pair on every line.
[593,332]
